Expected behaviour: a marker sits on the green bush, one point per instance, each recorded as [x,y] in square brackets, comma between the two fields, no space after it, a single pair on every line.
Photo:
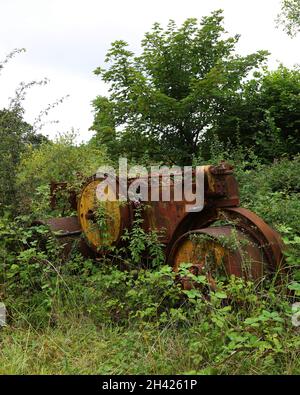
[61,161]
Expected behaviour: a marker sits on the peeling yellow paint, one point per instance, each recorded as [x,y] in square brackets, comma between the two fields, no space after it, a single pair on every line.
[88,204]
[196,252]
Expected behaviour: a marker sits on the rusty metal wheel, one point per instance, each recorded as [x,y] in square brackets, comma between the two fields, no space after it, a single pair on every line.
[236,242]
[116,215]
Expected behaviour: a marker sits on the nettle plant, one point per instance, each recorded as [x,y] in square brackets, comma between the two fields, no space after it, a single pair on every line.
[137,248]
[144,247]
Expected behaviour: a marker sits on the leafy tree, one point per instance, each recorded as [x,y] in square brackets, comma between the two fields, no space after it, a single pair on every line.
[16,136]
[165,99]
[289,18]
[265,114]
[13,132]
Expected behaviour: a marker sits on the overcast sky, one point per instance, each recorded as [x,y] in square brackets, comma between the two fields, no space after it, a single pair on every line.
[67,39]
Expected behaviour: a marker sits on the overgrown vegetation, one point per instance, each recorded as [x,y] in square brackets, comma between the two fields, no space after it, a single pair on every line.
[86,316]
[126,312]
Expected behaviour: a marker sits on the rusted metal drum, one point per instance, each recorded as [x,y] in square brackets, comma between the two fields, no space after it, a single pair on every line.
[102,222]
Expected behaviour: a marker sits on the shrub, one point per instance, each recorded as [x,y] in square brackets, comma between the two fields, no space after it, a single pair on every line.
[61,161]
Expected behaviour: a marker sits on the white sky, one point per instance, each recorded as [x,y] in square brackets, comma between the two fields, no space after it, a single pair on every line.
[67,39]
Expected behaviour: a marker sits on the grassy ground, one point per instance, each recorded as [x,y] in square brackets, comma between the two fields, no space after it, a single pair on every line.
[82,348]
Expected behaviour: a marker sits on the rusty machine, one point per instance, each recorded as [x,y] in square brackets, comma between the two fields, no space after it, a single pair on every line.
[221,237]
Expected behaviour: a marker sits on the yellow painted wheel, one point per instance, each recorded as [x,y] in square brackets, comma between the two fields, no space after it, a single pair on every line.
[102,222]
[218,252]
